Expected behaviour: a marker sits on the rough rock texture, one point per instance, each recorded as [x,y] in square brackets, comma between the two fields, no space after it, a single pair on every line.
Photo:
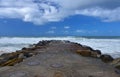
[116,63]
[58,59]
[106,58]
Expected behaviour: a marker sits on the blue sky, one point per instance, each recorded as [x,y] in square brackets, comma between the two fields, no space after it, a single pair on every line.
[57,19]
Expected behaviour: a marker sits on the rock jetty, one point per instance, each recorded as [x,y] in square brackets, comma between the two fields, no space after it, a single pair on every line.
[58,58]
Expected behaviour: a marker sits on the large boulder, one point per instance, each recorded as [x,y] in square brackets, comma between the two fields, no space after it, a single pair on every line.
[86,53]
[116,63]
[42,43]
[29,49]
[8,56]
[87,48]
[96,53]
[89,53]
[106,58]
[12,62]
[14,57]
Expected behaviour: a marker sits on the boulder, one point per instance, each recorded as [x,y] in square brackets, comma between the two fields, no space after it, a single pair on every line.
[42,43]
[29,54]
[87,48]
[118,66]
[96,53]
[116,63]
[86,53]
[2,60]
[29,49]
[24,48]
[12,62]
[106,58]
[89,53]
[8,56]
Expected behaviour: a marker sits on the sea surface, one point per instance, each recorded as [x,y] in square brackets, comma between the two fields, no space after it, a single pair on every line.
[108,45]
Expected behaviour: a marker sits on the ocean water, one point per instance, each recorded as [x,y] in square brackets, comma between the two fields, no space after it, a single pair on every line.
[108,45]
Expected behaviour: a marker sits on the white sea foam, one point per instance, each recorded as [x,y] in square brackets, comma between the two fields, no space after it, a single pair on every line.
[107,46]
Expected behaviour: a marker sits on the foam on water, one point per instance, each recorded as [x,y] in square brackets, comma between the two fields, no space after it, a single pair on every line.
[107,46]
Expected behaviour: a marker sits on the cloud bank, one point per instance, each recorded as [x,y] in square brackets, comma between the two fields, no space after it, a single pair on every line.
[44,11]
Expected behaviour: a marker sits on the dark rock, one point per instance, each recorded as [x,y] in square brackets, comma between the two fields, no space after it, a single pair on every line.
[89,53]
[78,44]
[12,62]
[95,55]
[4,57]
[117,71]
[106,58]
[28,49]
[86,53]
[2,60]
[87,48]
[116,63]
[7,59]
[118,67]
[4,54]
[42,43]
[29,54]
[13,55]
[97,51]
[67,41]
[24,48]
[8,56]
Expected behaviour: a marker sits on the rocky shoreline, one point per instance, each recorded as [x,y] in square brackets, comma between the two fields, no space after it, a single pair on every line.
[64,51]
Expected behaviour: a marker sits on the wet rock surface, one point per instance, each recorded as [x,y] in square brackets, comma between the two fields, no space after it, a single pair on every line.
[57,59]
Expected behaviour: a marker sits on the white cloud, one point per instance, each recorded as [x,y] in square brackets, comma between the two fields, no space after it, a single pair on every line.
[66,27]
[105,14]
[43,11]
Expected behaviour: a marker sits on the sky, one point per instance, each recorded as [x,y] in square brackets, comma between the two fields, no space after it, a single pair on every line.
[59,18]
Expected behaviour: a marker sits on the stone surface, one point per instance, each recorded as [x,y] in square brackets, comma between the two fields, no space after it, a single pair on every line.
[57,65]
[33,63]
[17,74]
[59,59]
